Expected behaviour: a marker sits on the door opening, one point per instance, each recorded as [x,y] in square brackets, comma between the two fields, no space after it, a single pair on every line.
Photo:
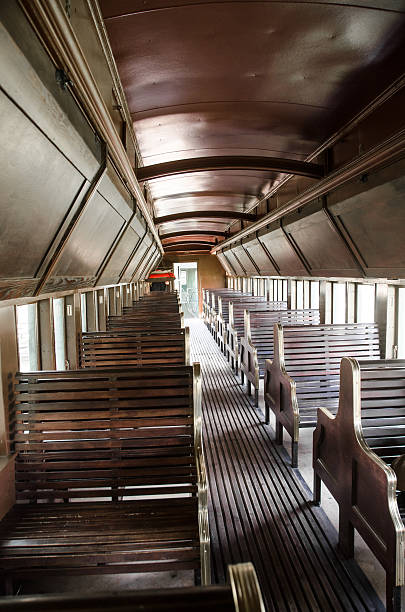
[186,284]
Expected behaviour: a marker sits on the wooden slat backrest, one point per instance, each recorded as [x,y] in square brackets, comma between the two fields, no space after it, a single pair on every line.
[149,313]
[304,373]
[312,356]
[240,306]
[87,434]
[313,348]
[232,318]
[146,322]
[101,349]
[258,328]
[259,325]
[383,407]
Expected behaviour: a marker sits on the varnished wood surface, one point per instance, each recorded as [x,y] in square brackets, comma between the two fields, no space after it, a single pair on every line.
[370,423]
[198,599]
[304,373]
[106,475]
[101,349]
[259,510]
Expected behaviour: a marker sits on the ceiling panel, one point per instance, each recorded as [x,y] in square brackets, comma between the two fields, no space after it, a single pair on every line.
[246,78]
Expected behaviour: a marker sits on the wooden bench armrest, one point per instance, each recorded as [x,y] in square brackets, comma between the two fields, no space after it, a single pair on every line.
[249,363]
[280,396]
[203,521]
[187,346]
[7,483]
[245,588]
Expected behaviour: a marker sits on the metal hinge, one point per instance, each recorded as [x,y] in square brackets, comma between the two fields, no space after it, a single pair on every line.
[62,78]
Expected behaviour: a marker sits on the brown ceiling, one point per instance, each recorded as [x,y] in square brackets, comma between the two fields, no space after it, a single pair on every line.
[266,78]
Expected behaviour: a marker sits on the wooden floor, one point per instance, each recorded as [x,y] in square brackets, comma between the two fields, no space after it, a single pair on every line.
[259,509]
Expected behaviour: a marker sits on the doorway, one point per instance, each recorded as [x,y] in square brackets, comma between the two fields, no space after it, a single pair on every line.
[186,284]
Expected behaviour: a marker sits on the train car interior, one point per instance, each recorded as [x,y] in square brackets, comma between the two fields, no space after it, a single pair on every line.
[202,305]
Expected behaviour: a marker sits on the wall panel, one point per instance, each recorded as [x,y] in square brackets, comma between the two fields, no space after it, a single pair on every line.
[256,250]
[224,263]
[374,221]
[245,260]
[121,254]
[319,241]
[229,254]
[282,252]
[33,203]
[138,261]
[90,240]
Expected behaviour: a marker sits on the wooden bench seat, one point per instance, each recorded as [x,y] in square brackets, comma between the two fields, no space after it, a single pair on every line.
[127,348]
[304,373]
[257,341]
[241,594]
[352,454]
[109,473]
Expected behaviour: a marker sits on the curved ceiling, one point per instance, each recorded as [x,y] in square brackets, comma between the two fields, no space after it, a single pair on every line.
[268,79]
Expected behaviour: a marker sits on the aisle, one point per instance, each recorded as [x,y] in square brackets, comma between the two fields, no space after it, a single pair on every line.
[259,510]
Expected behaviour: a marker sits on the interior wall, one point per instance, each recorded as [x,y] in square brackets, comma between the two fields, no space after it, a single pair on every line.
[210,272]
[64,208]
[355,231]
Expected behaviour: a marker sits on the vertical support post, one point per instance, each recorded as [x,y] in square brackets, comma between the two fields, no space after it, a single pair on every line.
[101,310]
[127,295]
[112,310]
[322,301]
[292,294]
[381,312]
[91,311]
[73,327]
[46,335]
[390,330]
[289,289]
[350,302]
[118,299]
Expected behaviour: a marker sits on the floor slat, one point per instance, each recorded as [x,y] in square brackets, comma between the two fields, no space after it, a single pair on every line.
[259,510]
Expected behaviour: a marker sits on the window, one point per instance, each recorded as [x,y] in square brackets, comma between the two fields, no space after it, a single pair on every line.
[285,290]
[300,295]
[401,323]
[59,332]
[27,335]
[339,303]
[275,290]
[365,303]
